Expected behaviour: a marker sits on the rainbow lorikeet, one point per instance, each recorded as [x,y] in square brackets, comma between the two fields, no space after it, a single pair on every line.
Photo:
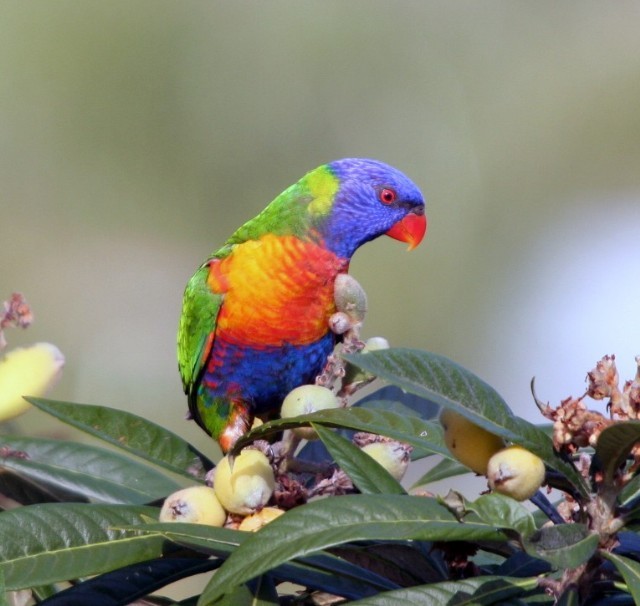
[254,321]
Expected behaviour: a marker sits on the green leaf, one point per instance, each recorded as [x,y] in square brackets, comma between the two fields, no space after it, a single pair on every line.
[319,570]
[199,537]
[563,545]
[329,522]
[614,445]
[447,468]
[503,512]
[262,592]
[570,597]
[43,592]
[390,405]
[404,564]
[405,411]
[476,591]
[631,491]
[55,542]
[630,571]
[132,434]
[409,429]
[95,473]
[443,381]
[26,492]
[366,473]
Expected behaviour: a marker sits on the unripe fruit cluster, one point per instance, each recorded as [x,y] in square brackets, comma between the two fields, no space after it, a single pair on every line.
[472,445]
[512,470]
[242,488]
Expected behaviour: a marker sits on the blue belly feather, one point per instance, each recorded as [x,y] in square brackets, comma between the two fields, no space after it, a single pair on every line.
[261,377]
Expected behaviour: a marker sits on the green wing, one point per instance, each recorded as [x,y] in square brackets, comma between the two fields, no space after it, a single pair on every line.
[287,214]
[200,307]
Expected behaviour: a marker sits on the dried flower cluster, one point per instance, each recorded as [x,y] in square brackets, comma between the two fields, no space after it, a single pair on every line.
[15,313]
[575,426]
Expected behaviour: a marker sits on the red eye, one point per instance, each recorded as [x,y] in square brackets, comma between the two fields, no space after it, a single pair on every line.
[387,196]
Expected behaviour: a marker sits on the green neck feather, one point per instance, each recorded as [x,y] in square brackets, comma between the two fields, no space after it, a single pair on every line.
[294,212]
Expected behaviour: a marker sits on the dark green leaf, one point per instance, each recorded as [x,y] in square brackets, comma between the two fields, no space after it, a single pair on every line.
[129,583]
[570,597]
[450,385]
[326,572]
[614,444]
[96,473]
[563,546]
[532,599]
[630,571]
[26,492]
[409,429]
[261,592]
[130,433]
[476,591]
[405,564]
[447,468]
[322,571]
[199,537]
[330,522]
[393,398]
[368,475]
[55,542]
[42,592]
[521,564]
[391,406]
[441,380]
[405,411]
[631,491]
[628,544]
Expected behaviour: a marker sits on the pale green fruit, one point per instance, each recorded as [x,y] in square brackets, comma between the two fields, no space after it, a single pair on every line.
[350,297]
[248,486]
[304,400]
[375,344]
[515,472]
[197,505]
[472,445]
[392,455]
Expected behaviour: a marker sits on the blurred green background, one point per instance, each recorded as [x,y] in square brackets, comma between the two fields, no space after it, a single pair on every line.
[135,136]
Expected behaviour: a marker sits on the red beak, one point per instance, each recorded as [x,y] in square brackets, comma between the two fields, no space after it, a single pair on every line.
[411,230]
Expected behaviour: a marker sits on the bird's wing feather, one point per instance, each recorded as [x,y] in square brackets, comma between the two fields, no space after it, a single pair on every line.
[200,308]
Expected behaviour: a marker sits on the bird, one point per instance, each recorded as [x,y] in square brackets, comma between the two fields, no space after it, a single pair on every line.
[255,315]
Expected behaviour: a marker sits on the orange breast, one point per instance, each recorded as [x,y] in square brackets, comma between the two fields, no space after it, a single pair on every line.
[278,289]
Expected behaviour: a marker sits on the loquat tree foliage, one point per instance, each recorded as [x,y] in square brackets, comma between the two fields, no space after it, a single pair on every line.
[333,524]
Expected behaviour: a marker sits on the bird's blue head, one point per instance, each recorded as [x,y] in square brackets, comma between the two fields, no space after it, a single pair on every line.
[370,199]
